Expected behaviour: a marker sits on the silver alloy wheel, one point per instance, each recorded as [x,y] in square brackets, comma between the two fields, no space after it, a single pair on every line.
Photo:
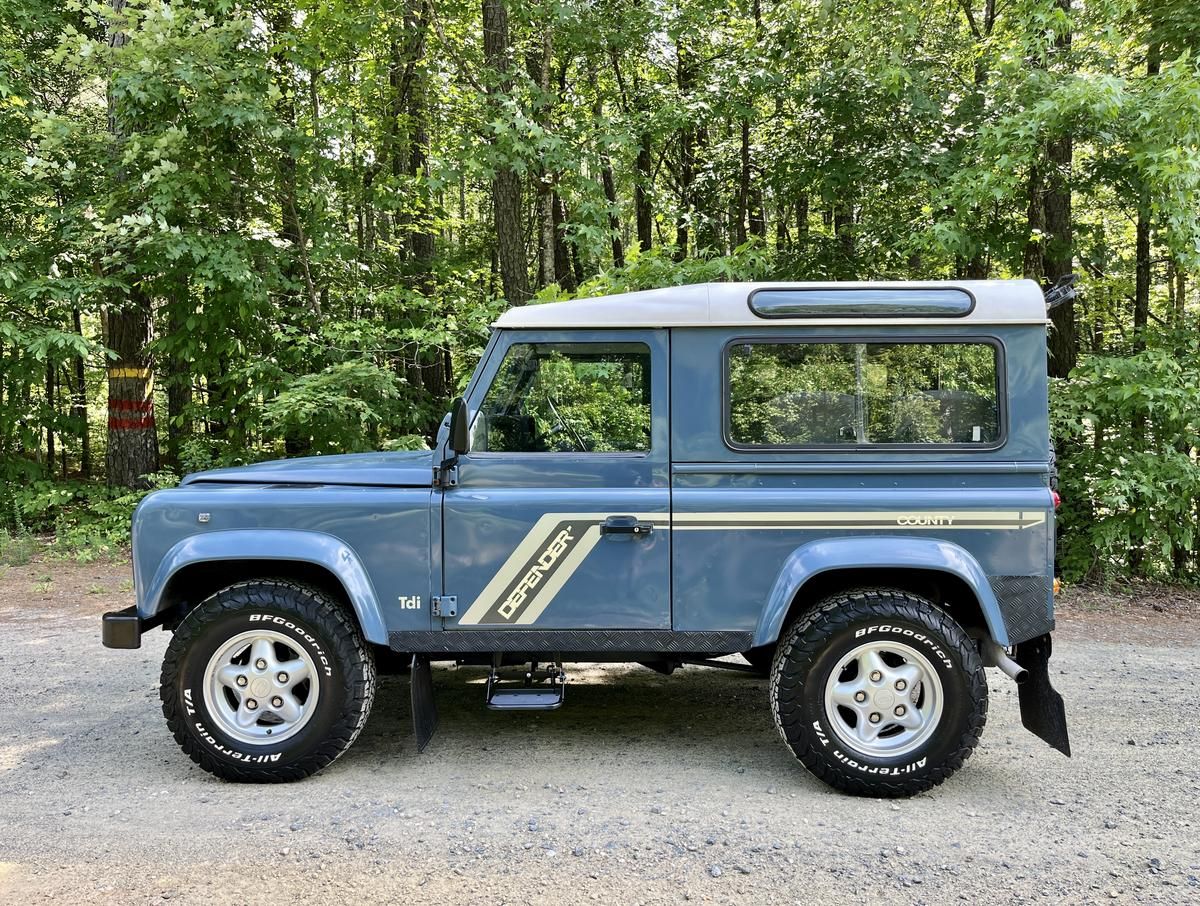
[884,699]
[260,688]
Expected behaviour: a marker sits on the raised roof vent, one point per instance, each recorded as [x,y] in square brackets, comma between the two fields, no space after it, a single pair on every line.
[900,302]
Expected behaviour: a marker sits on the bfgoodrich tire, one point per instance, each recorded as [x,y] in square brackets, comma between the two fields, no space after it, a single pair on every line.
[267,681]
[879,693]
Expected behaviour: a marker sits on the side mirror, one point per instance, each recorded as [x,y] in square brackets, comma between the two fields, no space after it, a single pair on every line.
[460,427]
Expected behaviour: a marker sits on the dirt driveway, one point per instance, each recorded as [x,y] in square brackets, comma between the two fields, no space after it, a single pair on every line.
[641,789]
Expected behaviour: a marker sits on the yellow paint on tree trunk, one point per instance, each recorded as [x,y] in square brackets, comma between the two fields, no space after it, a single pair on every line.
[143,373]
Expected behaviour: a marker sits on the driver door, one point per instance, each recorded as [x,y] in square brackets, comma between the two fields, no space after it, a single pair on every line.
[560,518]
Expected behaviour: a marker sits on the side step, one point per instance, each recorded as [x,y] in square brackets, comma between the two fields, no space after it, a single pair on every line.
[539,693]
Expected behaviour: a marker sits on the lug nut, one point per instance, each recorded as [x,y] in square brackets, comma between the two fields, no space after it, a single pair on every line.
[860,696]
[900,710]
[282,678]
[876,676]
[241,681]
[251,705]
[277,702]
[260,664]
[901,685]
[875,717]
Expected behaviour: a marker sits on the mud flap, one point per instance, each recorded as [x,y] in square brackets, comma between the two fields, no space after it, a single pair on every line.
[424,709]
[1042,709]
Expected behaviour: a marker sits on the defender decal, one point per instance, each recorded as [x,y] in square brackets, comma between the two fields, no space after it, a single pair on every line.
[540,566]
[558,543]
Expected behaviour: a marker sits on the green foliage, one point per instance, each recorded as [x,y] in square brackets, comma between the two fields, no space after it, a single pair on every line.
[303,196]
[340,409]
[84,520]
[16,550]
[1130,480]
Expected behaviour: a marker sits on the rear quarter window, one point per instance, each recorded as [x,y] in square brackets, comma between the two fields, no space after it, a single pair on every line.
[796,393]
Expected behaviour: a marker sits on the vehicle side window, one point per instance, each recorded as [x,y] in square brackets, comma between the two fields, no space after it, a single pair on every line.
[568,398]
[793,394]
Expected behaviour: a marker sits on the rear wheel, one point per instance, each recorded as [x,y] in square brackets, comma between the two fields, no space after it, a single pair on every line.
[879,693]
[267,681]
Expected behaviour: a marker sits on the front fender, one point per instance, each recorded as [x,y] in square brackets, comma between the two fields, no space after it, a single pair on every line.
[818,557]
[272,544]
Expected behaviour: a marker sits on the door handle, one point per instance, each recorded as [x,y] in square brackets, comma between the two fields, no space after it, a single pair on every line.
[625,525]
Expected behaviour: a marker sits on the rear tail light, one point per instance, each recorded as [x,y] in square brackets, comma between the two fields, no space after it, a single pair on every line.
[1057,498]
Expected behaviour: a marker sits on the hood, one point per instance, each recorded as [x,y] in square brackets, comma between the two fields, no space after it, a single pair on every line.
[409,469]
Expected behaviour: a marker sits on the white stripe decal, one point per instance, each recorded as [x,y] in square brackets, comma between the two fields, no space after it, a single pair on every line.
[576,556]
[534,545]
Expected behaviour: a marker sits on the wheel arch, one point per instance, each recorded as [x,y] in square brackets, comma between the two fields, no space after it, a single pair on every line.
[939,570]
[200,565]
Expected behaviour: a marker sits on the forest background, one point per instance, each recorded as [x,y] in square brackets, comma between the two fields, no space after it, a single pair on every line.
[235,231]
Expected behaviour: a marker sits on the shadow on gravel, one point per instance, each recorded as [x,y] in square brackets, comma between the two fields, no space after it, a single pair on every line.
[623,715]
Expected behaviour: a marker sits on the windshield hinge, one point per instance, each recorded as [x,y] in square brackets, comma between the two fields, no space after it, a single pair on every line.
[446,475]
[444,606]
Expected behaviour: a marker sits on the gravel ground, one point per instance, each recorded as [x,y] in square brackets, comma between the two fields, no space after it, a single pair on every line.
[641,789]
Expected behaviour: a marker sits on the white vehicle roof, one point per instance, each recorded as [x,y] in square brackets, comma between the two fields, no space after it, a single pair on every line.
[728,305]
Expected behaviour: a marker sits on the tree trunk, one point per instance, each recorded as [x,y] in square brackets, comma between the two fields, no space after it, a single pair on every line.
[432,363]
[610,188]
[1035,246]
[568,276]
[683,81]
[743,192]
[1141,283]
[1059,252]
[843,227]
[547,272]
[757,213]
[506,185]
[50,418]
[642,188]
[802,217]
[179,381]
[132,438]
[79,404]
[1142,274]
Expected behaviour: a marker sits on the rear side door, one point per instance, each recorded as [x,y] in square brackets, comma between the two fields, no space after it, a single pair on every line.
[561,513]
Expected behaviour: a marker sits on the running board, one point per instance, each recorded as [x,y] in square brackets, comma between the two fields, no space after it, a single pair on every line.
[538,694]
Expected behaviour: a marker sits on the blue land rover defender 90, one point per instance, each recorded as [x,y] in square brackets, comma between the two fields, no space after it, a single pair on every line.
[850,485]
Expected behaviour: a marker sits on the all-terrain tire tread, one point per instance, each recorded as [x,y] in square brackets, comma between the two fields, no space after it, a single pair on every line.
[803,640]
[309,604]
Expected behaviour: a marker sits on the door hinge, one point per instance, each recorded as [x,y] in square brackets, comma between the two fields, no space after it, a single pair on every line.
[444,606]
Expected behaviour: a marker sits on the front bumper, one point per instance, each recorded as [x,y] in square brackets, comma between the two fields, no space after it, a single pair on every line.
[124,628]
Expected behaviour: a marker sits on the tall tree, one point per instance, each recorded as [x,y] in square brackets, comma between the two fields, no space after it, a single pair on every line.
[132,437]
[507,182]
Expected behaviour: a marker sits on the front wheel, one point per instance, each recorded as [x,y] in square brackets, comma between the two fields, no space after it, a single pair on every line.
[879,693]
[267,681]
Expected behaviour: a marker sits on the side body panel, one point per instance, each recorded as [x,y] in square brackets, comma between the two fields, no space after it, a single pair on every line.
[750,527]
[375,540]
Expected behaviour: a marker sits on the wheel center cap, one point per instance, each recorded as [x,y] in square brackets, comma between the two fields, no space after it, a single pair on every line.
[884,698]
[261,687]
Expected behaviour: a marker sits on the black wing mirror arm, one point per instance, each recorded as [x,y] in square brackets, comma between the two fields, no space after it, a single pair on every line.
[458,442]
